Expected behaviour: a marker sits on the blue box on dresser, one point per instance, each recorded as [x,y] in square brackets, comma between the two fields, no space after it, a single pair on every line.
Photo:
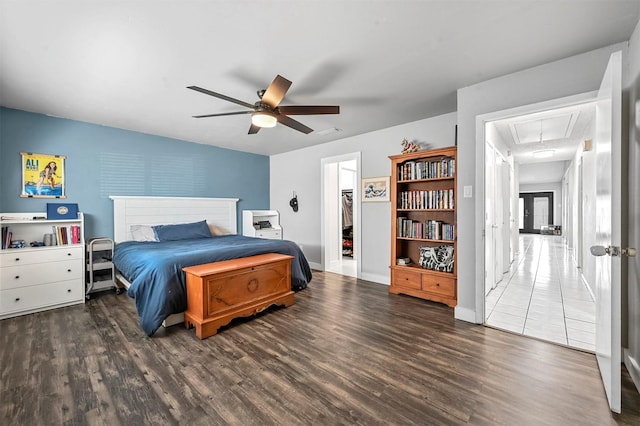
[61,211]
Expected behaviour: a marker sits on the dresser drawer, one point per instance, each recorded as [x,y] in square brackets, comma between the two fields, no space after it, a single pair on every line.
[31,256]
[439,285]
[405,278]
[28,275]
[273,234]
[36,297]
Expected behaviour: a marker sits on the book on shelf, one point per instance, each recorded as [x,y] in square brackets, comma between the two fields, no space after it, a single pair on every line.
[6,237]
[66,235]
[429,230]
[416,170]
[439,199]
[75,234]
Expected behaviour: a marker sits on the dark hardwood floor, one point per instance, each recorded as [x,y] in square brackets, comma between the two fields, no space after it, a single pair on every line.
[346,353]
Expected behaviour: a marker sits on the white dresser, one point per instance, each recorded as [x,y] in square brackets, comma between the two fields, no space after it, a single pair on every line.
[261,224]
[34,279]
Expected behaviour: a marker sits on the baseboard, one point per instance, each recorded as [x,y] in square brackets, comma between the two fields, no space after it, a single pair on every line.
[315,266]
[465,314]
[633,367]
[380,279]
[586,284]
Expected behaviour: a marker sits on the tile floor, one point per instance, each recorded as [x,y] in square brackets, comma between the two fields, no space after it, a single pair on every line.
[543,295]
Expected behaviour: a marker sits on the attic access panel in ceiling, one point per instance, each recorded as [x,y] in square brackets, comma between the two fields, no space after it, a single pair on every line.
[547,128]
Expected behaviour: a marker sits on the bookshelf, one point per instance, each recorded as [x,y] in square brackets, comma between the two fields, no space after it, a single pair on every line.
[40,277]
[423,225]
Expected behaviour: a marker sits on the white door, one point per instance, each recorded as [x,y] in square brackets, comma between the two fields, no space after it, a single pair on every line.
[506,215]
[498,235]
[513,212]
[489,220]
[608,229]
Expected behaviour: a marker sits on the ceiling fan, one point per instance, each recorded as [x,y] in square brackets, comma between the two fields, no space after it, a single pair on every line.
[267,111]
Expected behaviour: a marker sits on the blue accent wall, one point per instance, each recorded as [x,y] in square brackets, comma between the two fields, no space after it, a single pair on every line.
[102,161]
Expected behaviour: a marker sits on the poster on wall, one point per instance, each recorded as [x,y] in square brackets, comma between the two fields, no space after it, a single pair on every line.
[42,175]
[375,189]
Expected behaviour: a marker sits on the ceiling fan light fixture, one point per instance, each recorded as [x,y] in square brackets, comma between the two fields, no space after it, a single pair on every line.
[263,119]
[544,153]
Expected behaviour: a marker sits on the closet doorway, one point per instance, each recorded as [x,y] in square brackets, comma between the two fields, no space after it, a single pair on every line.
[340,214]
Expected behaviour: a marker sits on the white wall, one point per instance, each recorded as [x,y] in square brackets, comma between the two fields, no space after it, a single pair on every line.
[588,199]
[542,172]
[632,354]
[300,171]
[570,76]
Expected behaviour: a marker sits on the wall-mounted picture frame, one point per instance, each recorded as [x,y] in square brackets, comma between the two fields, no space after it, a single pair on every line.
[42,175]
[375,189]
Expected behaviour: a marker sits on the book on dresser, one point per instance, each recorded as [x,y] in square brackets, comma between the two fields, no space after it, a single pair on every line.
[423,225]
[41,263]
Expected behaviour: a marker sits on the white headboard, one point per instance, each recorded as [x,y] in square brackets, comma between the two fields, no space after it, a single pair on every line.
[128,211]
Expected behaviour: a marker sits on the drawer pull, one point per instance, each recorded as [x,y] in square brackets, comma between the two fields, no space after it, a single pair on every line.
[17,299]
[68,290]
[68,254]
[17,259]
[68,270]
[17,277]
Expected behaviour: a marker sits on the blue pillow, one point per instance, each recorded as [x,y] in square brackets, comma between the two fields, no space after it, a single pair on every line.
[182,231]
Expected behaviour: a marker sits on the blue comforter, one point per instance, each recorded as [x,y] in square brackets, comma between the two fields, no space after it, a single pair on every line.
[154,269]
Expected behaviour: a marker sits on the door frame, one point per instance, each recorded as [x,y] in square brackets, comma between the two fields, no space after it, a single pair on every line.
[481,121]
[538,194]
[327,190]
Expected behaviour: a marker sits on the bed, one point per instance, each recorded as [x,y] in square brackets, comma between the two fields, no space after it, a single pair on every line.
[152,271]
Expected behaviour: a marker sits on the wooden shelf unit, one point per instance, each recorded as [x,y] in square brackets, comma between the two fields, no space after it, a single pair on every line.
[412,201]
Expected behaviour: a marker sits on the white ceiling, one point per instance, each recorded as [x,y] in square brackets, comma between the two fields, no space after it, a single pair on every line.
[561,131]
[126,64]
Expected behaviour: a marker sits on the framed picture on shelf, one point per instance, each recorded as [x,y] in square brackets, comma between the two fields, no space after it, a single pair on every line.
[42,175]
[375,189]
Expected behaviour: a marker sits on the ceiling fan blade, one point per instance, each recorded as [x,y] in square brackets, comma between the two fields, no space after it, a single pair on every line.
[222,113]
[276,91]
[254,129]
[309,109]
[221,96]
[290,122]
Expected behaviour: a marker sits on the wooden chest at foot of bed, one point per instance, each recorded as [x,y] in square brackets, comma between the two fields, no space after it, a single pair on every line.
[221,291]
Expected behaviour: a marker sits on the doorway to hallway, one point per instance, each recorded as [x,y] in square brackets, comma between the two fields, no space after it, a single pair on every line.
[535,211]
[539,289]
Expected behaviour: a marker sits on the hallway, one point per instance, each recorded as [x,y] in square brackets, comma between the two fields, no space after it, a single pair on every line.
[543,295]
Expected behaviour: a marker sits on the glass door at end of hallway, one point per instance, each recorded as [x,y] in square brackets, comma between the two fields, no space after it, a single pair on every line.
[535,210]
